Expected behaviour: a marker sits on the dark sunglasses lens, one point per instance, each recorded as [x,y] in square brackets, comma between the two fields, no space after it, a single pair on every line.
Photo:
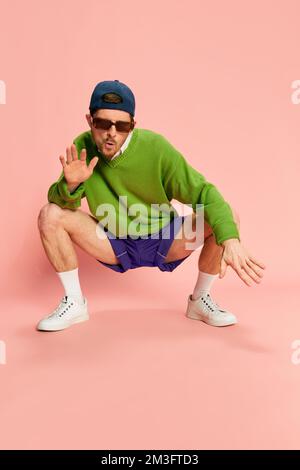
[123,126]
[101,123]
[105,124]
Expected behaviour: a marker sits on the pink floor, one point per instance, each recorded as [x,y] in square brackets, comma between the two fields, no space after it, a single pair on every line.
[140,375]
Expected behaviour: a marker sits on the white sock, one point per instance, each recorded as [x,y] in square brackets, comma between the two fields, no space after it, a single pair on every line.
[70,281]
[203,284]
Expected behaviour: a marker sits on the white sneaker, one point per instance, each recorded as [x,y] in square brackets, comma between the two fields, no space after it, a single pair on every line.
[66,314]
[205,309]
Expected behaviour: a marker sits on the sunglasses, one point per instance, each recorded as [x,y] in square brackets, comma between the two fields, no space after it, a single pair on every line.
[105,124]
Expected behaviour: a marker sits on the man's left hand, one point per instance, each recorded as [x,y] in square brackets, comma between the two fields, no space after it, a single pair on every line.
[245,265]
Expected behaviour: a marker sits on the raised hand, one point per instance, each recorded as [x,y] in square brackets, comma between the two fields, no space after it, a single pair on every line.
[75,169]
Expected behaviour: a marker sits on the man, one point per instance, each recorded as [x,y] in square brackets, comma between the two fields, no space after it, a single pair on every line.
[123,170]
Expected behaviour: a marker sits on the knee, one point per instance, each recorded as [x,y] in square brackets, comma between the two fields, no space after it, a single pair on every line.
[49,216]
[208,232]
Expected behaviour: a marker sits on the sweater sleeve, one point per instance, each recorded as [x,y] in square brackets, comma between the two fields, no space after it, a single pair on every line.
[188,186]
[60,195]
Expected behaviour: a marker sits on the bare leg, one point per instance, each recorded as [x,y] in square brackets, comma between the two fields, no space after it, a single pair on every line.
[211,254]
[210,257]
[59,228]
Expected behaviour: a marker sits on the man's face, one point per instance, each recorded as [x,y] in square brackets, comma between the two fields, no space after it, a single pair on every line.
[101,137]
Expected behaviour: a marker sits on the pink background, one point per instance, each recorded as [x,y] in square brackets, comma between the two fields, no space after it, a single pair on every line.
[215,79]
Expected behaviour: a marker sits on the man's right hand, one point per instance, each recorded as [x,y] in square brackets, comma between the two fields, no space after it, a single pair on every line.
[76,170]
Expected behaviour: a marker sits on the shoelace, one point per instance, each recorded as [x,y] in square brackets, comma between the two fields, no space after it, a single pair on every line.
[63,304]
[211,306]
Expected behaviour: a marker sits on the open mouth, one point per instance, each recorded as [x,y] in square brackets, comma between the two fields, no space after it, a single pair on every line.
[109,145]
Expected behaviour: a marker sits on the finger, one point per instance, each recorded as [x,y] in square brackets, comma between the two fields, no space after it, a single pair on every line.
[74,152]
[223,269]
[83,155]
[69,156]
[62,161]
[93,163]
[259,263]
[242,274]
[255,268]
[251,273]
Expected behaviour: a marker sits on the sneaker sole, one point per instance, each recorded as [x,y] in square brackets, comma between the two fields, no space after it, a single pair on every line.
[80,319]
[196,316]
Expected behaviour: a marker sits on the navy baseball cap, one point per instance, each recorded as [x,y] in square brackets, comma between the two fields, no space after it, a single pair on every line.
[101,97]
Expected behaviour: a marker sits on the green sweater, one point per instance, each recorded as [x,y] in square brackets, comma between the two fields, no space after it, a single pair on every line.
[149,172]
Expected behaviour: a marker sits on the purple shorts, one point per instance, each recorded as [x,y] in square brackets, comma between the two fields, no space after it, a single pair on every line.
[146,250]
